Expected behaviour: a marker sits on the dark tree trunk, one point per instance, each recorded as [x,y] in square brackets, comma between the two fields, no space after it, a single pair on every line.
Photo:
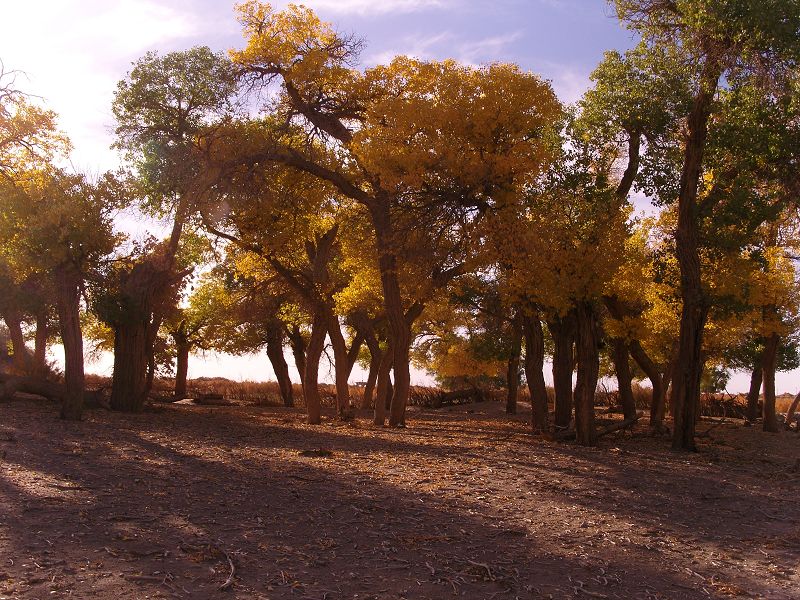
[686,381]
[622,368]
[534,365]
[341,366]
[298,344]
[69,300]
[756,377]
[562,331]
[21,354]
[512,371]
[768,365]
[275,339]
[383,388]
[181,367]
[587,342]
[657,381]
[792,410]
[129,381]
[316,344]
[401,347]
[40,344]
[375,356]
[353,352]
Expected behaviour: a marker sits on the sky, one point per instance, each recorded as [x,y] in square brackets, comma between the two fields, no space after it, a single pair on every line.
[72,53]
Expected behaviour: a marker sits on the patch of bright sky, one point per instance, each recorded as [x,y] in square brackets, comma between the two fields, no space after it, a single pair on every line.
[73,52]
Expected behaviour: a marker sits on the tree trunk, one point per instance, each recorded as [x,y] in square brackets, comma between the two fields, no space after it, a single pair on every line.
[686,381]
[792,410]
[562,332]
[622,368]
[69,308]
[129,381]
[768,365]
[40,344]
[401,347]
[383,387]
[316,344]
[588,355]
[375,356]
[298,344]
[276,358]
[534,365]
[181,367]
[341,367]
[657,381]
[756,378]
[20,351]
[512,372]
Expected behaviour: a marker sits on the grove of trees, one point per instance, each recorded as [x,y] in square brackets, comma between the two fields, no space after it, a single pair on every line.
[456,217]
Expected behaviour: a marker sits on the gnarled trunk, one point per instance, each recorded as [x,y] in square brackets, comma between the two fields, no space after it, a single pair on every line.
[562,331]
[658,381]
[375,357]
[768,365]
[534,365]
[129,381]
[512,371]
[68,304]
[588,355]
[622,368]
[756,377]
[21,354]
[275,338]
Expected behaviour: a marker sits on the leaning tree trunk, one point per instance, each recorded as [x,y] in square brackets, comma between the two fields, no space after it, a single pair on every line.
[275,339]
[756,378]
[69,299]
[341,366]
[512,372]
[587,342]
[181,367]
[316,344]
[534,372]
[622,368]
[562,332]
[686,380]
[768,365]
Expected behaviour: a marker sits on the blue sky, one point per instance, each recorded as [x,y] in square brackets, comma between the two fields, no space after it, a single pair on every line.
[73,52]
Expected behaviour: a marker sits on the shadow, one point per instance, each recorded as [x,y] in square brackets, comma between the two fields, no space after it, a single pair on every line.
[458,505]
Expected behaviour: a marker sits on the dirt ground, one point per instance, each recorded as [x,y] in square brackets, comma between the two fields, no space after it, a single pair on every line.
[463,503]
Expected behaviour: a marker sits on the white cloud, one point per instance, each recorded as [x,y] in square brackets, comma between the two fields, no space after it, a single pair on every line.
[364,7]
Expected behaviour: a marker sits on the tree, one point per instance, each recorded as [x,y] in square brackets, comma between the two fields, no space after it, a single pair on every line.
[720,40]
[160,108]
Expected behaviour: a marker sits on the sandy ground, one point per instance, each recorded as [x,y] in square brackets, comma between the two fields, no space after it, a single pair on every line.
[243,502]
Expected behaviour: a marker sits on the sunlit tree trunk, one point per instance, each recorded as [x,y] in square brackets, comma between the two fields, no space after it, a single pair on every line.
[316,344]
[383,387]
[299,345]
[375,357]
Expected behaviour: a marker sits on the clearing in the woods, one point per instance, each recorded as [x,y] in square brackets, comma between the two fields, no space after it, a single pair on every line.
[244,502]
